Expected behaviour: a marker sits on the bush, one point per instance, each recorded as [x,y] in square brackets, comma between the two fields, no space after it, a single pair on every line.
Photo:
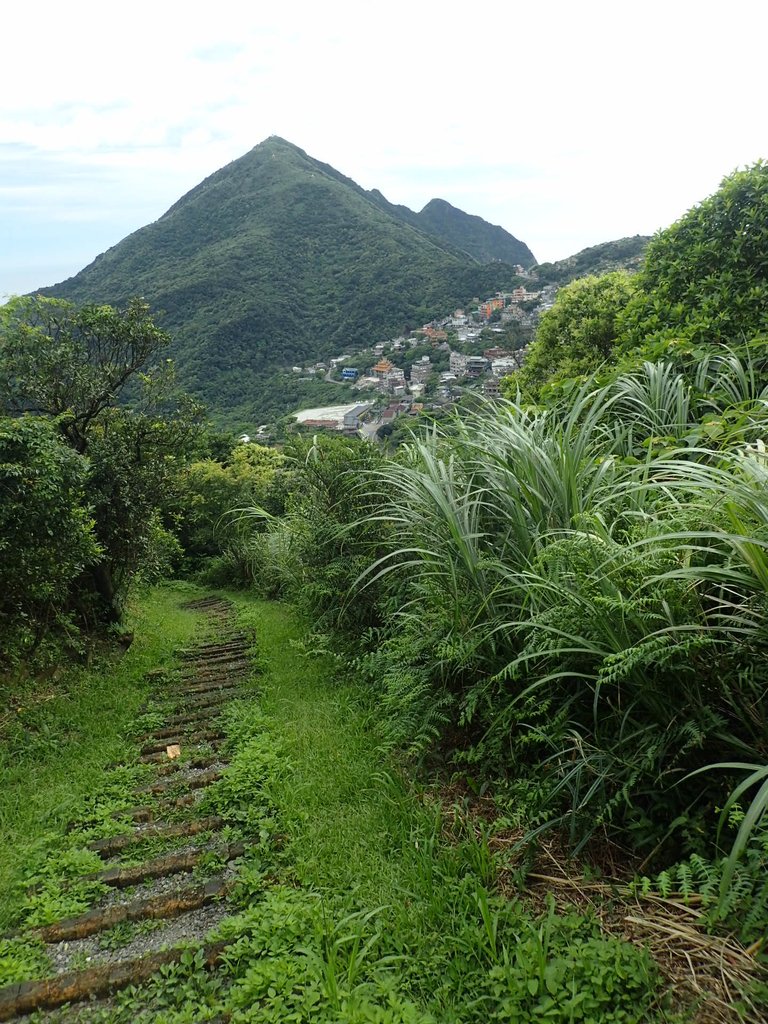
[581,602]
[46,534]
[704,278]
[328,535]
[211,492]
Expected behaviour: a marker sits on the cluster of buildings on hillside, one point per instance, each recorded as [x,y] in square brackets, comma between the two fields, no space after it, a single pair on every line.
[405,389]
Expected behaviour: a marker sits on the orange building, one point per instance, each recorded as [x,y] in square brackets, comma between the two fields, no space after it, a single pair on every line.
[488,307]
[382,368]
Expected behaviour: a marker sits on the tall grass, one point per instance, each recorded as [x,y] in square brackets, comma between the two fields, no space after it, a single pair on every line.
[571,600]
[583,595]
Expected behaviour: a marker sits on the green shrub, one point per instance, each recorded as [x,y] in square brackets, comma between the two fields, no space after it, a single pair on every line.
[46,535]
[581,601]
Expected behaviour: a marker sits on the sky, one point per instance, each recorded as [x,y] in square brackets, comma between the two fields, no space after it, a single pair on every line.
[567,123]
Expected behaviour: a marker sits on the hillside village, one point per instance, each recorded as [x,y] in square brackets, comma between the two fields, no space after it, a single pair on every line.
[433,366]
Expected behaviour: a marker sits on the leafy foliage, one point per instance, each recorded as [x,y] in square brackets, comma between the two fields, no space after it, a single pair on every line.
[701,285]
[621,254]
[737,901]
[571,599]
[577,335]
[212,495]
[62,362]
[21,959]
[46,534]
[705,277]
[314,553]
[73,365]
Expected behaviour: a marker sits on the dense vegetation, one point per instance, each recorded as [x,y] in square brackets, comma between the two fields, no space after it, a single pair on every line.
[570,598]
[486,242]
[702,283]
[562,596]
[577,335]
[621,254]
[84,481]
[274,260]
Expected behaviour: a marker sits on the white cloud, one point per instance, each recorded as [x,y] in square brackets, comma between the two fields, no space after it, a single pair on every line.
[568,123]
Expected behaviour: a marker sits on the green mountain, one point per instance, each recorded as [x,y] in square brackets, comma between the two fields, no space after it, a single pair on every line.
[279,259]
[486,242]
[472,235]
[621,254]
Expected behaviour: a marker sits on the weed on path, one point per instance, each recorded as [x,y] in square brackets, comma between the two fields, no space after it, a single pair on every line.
[350,896]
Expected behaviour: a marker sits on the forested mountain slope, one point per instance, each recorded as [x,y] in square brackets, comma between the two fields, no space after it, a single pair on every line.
[277,259]
[474,236]
[620,254]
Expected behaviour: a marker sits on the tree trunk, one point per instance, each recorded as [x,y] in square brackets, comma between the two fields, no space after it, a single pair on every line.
[104,587]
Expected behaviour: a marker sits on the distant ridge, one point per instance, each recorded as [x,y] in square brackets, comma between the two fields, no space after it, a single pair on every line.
[278,258]
[483,241]
[486,242]
[621,254]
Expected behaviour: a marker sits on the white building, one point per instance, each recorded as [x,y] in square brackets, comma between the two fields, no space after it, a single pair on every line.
[457,363]
[503,367]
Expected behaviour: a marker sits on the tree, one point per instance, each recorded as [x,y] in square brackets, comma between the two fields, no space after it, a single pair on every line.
[705,279]
[98,374]
[46,532]
[578,334]
[60,361]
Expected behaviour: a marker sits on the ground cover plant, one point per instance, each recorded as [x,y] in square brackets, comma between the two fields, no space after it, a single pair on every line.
[58,736]
[376,905]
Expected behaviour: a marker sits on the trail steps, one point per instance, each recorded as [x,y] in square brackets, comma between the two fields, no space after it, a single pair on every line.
[212,675]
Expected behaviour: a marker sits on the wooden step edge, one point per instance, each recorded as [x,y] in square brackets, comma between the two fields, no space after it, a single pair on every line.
[177,722]
[162,756]
[152,908]
[209,686]
[94,982]
[181,739]
[162,867]
[174,766]
[151,812]
[213,658]
[208,701]
[236,644]
[114,844]
[196,782]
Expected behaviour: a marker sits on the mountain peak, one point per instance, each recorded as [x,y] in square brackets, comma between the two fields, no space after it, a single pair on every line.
[485,242]
[277,259]
[277,142]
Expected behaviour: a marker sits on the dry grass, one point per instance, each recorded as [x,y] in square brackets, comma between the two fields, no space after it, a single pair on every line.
[707,975]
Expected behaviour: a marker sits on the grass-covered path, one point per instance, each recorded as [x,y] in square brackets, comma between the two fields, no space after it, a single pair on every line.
[320,886]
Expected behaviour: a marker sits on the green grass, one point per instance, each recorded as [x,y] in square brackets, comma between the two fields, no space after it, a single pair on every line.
[53,755]
[336,799]
[386,907]
[361,898]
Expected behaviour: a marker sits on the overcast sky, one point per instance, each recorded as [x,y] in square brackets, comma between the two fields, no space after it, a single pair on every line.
[568,123]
